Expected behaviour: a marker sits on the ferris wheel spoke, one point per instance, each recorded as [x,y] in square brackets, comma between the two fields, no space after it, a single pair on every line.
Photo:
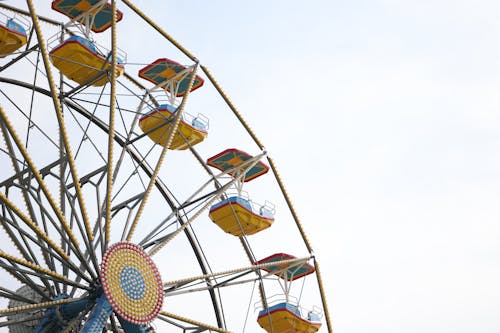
[132,173]
[8,154]
[129,136]
[19,239]
[24,113]
[40,305]
[60,119]
[12,207]
[169,140]
[19,57]
[14,264]
[65,263]
[32,99]
[13,322]
[83,180]
[201,327]
[88,243]
[35,172]
[248,165]
[39,233]
[37,176]
[85,131]
[156,236]
[25,280]
[37,269]
[26,198]
[24,250]
[136,156]
[157,247]
[193,199]
[80,87]
[15,295]
[135,172]
[230,277]
[111,133]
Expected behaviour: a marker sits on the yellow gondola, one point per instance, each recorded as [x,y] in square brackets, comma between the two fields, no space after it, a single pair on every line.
[78,59]
[286,318]
[12,37]
[157,125]
[236,217]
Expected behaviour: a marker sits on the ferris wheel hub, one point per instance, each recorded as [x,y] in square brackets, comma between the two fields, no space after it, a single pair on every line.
[131,283]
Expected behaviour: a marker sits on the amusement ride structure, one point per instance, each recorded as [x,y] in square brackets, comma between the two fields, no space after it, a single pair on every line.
[117,214]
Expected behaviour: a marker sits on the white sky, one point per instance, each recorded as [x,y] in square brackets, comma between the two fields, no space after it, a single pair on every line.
[384,120]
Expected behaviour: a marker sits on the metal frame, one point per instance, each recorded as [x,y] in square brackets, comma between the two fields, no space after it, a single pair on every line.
[31,183]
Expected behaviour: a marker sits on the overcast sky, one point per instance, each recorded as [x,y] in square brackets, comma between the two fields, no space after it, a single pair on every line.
[384,120]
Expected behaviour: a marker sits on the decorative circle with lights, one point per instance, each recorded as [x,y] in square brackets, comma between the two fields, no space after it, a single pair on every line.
[131,283]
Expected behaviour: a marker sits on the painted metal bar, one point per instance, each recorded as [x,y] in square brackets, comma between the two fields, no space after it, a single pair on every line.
[232,107]
[160,30]
[190,200]
[40,233]
[217,286]
[20,321]
[35,228]
[198,213]
[7,224]
[14,295]
[290,204]
[323,297]
[23,12]
[22,276]
[252,258]
[36,173]
[27,202]
[42,305]
[193,322]
[60,119]
[170,138]
[186,224]
[27,248]
[32,226]
[43,171]
[62,169]
[290,262]
[74,217]
[38,271]
[111,133]
[16,275]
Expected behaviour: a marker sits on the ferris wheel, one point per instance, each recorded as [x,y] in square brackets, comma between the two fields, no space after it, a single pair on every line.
[126,208]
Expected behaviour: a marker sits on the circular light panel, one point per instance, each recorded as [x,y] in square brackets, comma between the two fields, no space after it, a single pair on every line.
[131,283]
